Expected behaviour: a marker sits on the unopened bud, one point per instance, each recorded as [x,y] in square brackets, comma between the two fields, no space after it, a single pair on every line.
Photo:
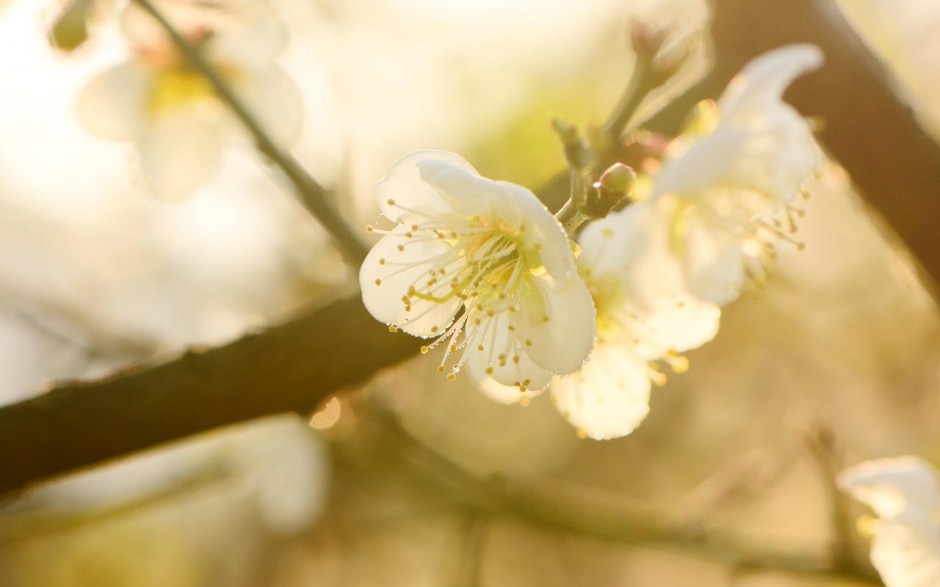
[646,40]
[577,153]
[612,189]
[69,31]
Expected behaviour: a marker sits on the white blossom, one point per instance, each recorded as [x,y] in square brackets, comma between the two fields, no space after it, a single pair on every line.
[488,251]
[609,396]
[170,111]
[718,202]
[904,494]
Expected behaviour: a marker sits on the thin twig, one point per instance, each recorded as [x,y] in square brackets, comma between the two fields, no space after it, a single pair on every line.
[574,510]
[312,195]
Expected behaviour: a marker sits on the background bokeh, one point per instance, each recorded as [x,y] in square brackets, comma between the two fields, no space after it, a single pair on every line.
[834,362]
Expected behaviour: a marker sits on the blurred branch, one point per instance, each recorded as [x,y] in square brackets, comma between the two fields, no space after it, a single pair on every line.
[867,128]
[313,196]
[285,368]
[293,366]
[381,441]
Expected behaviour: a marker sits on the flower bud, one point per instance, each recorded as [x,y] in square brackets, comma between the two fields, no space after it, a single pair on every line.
[69,31]
[612,189]
[577,152]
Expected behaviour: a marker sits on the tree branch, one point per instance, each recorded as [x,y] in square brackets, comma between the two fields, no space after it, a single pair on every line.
[286,368]
[293,366]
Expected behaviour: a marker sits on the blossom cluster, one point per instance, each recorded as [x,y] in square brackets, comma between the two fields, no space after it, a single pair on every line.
[485,271]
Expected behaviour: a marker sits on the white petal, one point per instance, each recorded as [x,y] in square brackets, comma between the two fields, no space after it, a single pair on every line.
[906,550]
[248,34]
[559,324]
[890,485]
[540,228]
[180,149]
[765,78]
[713,262]
[608,397]
[678,324]
[113,104]
[651,271]
[284,463]
[464,190]
[404,186]
[504,394]
[275,101]
[609,245]
[388,273]
[503,356]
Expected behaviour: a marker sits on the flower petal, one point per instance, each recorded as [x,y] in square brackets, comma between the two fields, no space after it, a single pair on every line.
[677,324]
[558,324]
[714,262]
[890,485]
[275,101]
[113,104]
[495,352]
[906,551]
[404,191]
[608,397]
[391,268]
[765,78]
[249,34]
[179,150]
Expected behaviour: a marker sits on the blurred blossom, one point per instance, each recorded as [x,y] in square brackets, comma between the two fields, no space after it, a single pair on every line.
[490,249]
[609,396]
[905,538]
[279,463]
[169,110]
[711,213]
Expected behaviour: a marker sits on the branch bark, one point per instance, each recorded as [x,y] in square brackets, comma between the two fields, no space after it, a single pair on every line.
[293,366]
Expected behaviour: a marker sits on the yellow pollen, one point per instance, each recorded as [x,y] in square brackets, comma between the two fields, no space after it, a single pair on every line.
[401,248]
[434,329]
[528,342]
[451,376]
[392,328]
[425,349]
[515,359]
[381,261]
[489,370]
[391,202]
[378,282]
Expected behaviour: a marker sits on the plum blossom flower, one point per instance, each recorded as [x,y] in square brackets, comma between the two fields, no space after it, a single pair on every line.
[904,494]
[609,396]
[482,267]
[717,204]
[169,110]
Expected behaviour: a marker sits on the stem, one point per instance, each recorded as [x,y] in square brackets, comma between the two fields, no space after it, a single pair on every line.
[311,194]
[570,217]
[640,84]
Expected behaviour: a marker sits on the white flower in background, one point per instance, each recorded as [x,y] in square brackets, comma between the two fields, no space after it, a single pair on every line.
[905,538]
[169,109]
[609,396]
[714,208]
[489,251]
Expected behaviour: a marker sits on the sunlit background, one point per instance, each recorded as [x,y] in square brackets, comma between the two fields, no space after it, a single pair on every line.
[96,272]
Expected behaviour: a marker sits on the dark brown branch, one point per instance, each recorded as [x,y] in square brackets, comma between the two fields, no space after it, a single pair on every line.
[285,368]
[866,127]
[291,367]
